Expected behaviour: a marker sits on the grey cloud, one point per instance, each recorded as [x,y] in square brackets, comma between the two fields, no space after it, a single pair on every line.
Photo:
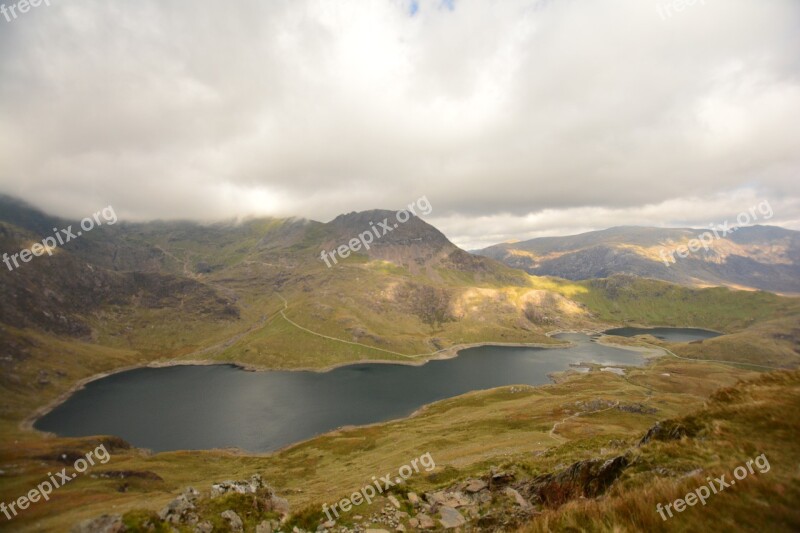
[521,112]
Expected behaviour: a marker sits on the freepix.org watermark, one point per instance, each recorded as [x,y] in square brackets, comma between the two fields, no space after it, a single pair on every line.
[60,237]
[377,231]
[378,486]
[718,231]
[715,486]
[21,7]
[666,9]
[45,488]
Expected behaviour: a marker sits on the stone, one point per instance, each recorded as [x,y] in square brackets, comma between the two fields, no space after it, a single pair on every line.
[457,499]
[394,501]
[473,512]
[102,524]
[450,518]
[279,505]
[436,498]
[191,494]
[233,520]
[204,527]
[425,521]
[265,527]
[499,478]
[476,485]
[517,497]
[176,509]
[240,487]
[413,498]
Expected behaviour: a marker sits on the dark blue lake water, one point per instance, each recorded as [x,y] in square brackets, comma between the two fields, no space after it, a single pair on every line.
[203,407]
[666,334]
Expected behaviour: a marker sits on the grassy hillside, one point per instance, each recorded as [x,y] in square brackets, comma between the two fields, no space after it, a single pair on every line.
[625,299]
[737,425]
[506,427]
[257,294]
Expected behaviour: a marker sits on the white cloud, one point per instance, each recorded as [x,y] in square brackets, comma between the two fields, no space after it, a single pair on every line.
[525,117]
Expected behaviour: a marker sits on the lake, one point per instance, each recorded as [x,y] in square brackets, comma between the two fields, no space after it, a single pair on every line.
[218,406]
[666,334]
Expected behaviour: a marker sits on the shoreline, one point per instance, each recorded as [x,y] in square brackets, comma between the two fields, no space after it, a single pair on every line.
[27,424]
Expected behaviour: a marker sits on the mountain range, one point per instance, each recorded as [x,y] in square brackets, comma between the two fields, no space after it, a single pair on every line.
[752,257]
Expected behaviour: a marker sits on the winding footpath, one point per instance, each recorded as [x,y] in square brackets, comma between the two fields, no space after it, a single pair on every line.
[415,356]
[559,438]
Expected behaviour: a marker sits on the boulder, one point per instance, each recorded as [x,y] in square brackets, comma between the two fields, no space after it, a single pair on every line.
[176,510]
[102,524]
[234,521]
[664,431]
[425,522]
[279,505]
[589,479]
[517,497]
[204,527]
[436,498]
[241,487]
[475,485]
[450,518]
[191,494]
[499,478]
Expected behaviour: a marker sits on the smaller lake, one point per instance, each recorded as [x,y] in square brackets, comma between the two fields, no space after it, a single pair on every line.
[666,334]
[217,406]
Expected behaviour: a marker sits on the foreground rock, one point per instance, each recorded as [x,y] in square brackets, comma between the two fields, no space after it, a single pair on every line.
[587,479]
[496,501]
[101,524]
[233,520]
[253,506]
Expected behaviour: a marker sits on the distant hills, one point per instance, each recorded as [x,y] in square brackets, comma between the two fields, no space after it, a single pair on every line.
[753,257]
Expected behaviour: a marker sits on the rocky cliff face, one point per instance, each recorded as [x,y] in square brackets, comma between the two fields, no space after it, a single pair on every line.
[59,294]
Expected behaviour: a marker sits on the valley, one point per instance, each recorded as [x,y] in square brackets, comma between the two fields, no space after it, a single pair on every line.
[409,302]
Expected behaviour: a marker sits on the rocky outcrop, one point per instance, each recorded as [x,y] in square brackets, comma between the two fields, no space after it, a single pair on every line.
[638,409]
[181,509]
[664,431]
[189,511]
[587,479]
[251,486]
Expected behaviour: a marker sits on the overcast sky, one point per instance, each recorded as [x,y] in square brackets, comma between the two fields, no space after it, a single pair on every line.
[515,118]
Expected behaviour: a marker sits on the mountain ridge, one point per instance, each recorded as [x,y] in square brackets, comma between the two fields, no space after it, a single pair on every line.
[753,257]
